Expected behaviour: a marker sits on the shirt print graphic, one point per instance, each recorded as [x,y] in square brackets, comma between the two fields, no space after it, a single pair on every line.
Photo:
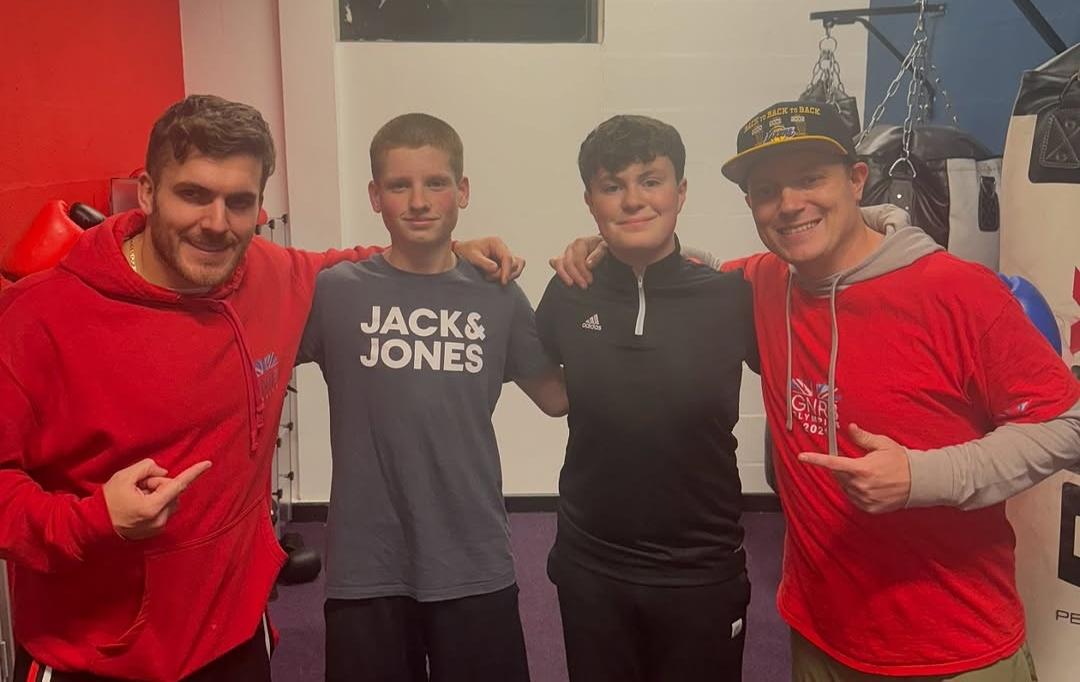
[266,371]
[440,340]
[810,405]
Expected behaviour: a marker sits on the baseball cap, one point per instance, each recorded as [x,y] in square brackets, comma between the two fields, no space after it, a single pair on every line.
[788,123]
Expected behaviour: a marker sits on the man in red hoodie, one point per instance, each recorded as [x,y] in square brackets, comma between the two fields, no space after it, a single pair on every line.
[155,354]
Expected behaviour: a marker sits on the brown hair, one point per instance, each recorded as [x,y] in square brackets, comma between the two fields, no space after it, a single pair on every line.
[413,131]
[626,139]
[212,126]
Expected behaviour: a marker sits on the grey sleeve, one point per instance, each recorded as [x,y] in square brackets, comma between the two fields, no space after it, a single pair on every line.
[702,255]
[990,469]
[525,355]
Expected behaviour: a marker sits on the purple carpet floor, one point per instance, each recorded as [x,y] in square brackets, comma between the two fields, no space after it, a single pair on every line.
[297,612]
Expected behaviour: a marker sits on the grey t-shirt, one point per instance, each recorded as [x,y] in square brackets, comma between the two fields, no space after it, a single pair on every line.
[414,365]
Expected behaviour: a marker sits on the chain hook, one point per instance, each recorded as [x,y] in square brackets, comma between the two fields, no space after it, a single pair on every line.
[905,160]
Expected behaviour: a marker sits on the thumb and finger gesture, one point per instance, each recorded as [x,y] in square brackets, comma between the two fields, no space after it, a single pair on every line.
[141,497]
[877,482]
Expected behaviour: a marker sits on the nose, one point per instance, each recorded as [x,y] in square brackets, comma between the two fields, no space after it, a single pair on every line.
[632,201]
[791,201]
[418,200]
[215,216]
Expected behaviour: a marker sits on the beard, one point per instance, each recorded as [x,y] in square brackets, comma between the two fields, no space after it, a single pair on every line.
[192,274]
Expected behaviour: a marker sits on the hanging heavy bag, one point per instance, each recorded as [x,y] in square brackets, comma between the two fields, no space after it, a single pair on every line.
[845,104]
[949,183]
[1040,241]
[1041,190]
[945,178]
[826,86]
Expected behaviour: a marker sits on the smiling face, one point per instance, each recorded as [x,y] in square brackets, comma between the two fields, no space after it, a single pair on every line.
[200,218]
[636,209]
[806,208]
[418,196]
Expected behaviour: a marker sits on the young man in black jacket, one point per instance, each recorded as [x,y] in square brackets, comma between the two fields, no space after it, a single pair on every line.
[648,559]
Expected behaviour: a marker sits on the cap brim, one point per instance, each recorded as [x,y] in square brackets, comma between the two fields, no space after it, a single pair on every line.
[738,167]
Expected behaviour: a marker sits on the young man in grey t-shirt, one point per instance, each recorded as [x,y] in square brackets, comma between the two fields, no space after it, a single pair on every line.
[415,346]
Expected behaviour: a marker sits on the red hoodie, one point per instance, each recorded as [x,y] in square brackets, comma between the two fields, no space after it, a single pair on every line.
[99,369]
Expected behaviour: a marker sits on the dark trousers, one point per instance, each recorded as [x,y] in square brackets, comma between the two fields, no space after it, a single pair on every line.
[249,662]
[623,632]
[398,639]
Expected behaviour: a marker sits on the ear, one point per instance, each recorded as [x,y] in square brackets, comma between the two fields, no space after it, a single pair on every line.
[463,192]
[373,195]
[682,194]
[859,172]
[146,193]
[588,199]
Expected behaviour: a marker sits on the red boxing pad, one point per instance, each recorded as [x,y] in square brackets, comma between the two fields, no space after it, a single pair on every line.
[50,237]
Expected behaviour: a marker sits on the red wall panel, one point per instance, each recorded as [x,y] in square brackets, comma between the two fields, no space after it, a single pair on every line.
[82,84]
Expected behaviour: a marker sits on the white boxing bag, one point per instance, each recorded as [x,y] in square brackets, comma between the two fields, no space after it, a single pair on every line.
[1040,240]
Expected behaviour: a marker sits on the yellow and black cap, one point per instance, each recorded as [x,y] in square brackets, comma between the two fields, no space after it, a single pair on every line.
[806,124]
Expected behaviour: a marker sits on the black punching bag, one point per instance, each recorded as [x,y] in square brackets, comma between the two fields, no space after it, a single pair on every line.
[948,182]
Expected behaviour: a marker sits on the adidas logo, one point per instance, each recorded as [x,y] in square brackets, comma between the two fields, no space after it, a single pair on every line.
[592,323]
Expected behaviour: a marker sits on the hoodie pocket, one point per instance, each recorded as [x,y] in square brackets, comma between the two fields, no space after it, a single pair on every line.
[199,600]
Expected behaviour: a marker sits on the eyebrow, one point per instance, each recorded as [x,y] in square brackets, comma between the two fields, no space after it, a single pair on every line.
[432,176]
[650,172]
[188,185]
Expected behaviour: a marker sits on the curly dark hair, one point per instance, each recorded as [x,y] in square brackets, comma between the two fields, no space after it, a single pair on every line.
[212,126]
[627,139]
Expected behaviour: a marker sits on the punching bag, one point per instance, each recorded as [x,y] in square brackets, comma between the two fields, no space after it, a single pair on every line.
[1040,240]
[949,184]
[826,85]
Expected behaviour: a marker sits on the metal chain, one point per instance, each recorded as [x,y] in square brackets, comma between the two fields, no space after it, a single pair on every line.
[918,95]
[889,92]
[944,95]
[838,84]
[916,112]
[826,70]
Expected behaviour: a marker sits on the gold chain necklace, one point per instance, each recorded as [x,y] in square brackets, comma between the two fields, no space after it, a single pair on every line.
[131,254]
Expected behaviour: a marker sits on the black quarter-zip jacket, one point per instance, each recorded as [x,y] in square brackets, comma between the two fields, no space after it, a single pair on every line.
[649,491]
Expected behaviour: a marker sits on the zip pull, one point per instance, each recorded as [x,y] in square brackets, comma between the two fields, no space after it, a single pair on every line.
[639,327]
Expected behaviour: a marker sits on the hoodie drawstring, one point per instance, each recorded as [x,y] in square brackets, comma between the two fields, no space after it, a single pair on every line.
[903,245]
[834,345]
[255,402]
[787,320]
